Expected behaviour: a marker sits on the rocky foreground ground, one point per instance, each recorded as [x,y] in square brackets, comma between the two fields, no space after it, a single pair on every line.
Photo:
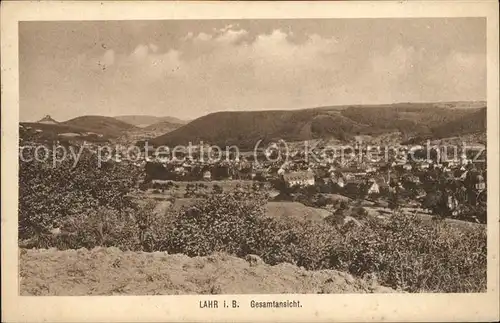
[109,271]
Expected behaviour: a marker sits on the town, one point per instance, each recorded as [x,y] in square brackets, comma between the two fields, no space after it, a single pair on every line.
[408,175]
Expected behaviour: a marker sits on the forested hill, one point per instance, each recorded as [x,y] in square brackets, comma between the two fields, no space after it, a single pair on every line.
[245,128]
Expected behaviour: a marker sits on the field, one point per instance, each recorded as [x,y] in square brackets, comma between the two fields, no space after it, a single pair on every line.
[109,271]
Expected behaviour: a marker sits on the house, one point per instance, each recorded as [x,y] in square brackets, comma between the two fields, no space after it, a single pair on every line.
[338,178]
[463,175]
[207,175]
[180,170]
[480,183]
[304,178]
[452,203]
[371,169]
[373,188]
[424,165]
[407,167]
[340,182]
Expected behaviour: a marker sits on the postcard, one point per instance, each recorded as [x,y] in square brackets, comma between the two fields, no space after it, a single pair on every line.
[250,161]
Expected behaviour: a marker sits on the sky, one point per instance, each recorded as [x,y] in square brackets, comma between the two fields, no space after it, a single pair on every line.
[189,68]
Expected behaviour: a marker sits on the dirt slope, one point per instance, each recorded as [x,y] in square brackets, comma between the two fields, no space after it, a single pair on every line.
[109,271]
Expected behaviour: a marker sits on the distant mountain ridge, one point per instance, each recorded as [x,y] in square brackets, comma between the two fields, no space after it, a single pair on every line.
[246,128]
[100,124]
[106,127]
[163,126]
[147,120]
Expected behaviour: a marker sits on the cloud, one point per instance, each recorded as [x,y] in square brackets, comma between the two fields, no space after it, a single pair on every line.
[231,36]
[203,37]
[108,58]
[188,36]
[222,73]
[462,73]
[140,52]
[234,67]
[406,74]
[216,71]
[153,48]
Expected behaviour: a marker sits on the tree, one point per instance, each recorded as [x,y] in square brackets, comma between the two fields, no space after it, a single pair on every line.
[48,193]
[394,199]
[217,189]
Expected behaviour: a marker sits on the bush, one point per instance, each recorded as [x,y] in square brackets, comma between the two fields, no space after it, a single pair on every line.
[222,222]
[50,194]
[408,253]
[217,189]
[404,252]
[100,227]
[474,213]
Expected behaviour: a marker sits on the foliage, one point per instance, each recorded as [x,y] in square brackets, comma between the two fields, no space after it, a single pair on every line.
[49,194]
[394,201]
[407,253]
[222,222]
[244,129]
[217,189]
[100,227]
[403,252]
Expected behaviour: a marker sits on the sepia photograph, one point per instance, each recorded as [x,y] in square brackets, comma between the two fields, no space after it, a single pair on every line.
[279,156]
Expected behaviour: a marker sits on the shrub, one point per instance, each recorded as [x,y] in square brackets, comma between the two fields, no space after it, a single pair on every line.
[107,228]
[101,227]
[219,223]
[48,194]
[474,213]
[413,255]
[217,189]
[405,252]
[237,224]
[359,212]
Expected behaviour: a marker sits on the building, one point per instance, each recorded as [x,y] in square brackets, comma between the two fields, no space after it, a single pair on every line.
[407,167]
[305,178]
[424,165]
[480,184]
[338,178]
[340,182]
[207,175]
[373,188]
[371,169]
